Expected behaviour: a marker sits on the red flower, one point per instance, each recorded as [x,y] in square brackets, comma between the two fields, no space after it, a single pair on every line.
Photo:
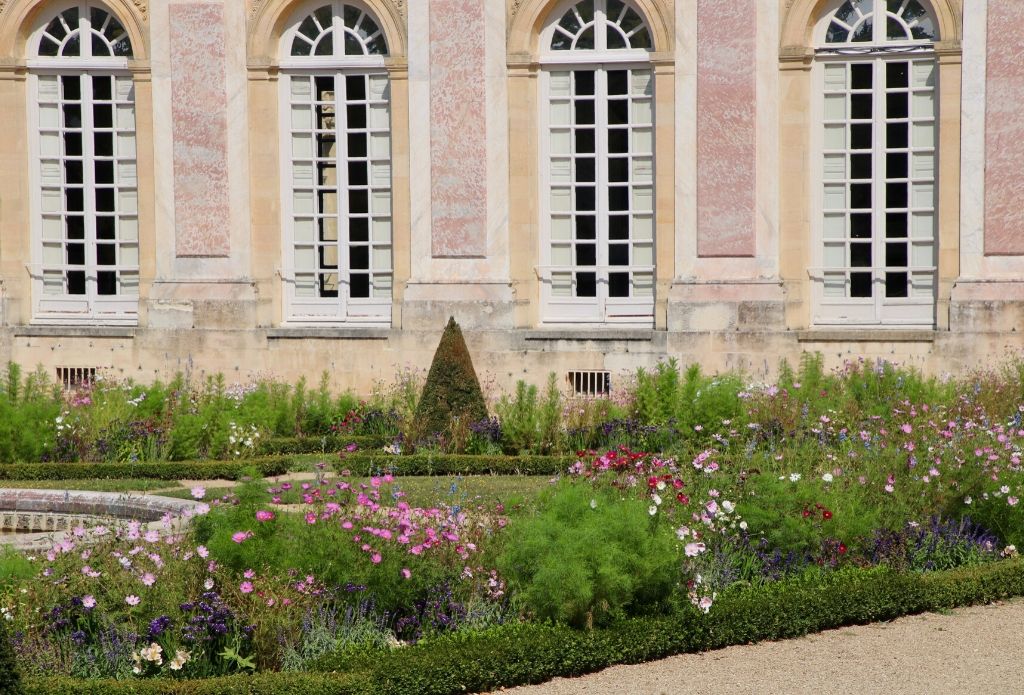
[683,499]
[806,512]
[826,515]
[842,548]
[677,484]
[652,482]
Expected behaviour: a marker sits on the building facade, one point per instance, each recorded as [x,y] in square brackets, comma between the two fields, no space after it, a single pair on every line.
[588,186]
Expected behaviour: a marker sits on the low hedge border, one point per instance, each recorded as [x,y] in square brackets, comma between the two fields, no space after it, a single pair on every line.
[360,463]
[367,463]
[526,653]
[155,470]
[328,444]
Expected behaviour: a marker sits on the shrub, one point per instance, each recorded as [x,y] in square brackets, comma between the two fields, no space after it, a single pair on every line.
[589,557]
[156,470]
[453,464]
[452,389]
[29,408]
[10,681]
[528,424]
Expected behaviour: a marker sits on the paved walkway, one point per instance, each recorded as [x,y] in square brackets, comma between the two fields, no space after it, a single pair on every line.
[972,650]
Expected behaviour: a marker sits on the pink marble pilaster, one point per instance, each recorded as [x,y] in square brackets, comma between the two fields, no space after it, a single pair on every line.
[200,129]
[1004,130]
[726,127]
[458,129]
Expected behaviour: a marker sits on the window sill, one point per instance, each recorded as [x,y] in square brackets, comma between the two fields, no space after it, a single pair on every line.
[866,335]
[73,331]
[588,334]
[328,333]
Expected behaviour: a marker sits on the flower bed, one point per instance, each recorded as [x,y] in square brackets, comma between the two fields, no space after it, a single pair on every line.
[785,508]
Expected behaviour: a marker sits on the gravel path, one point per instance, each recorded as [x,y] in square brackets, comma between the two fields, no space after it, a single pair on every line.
[971,650]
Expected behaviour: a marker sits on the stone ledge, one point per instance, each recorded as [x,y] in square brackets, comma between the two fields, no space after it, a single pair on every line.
[869,335]
[583,335]
[328,333]
[73,331]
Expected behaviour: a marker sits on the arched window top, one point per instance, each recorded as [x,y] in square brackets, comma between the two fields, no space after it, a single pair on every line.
[336,30]
[860,22]
[84,30]
[600,25]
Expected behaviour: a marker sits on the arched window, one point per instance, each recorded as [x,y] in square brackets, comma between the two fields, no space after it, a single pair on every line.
[597,164]
[86,232]
[337,167]
[877,163]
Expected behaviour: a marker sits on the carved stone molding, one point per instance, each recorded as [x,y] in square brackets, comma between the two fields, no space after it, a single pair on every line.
[141,5]
[255,6]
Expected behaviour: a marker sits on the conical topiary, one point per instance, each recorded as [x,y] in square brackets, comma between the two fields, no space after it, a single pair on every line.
[452,389]
[10,682]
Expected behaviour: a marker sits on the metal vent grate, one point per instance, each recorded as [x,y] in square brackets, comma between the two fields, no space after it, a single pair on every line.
[71,378]
[589,382]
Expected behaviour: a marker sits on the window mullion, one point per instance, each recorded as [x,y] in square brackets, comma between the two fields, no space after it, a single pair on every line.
[601,122]
[341,176]
[89,191]
[879,142]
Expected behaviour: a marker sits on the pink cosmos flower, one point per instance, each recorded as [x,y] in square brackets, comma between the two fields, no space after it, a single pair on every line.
[406,573]
[249,574]
[152,536]
[89,601]
[310,518]
[907,429]
[198,492]
[375,558]
[131,600]
[241,536]
[202,552]
[149,579]
[245,587]
[264,515]
[695,549]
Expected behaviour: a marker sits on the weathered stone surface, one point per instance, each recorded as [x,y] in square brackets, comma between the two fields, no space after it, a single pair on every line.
[726,127]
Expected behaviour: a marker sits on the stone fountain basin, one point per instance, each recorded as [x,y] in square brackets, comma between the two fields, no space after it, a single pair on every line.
[40,518]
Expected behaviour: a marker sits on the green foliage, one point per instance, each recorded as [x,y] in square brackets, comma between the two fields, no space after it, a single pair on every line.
[452,389]
[530,425]
[371,463]
[662,397]
[589,557]
[10,680]
[29,408]
[791,514]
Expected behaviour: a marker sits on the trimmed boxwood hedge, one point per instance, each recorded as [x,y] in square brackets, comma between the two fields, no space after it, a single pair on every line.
[366,463]
[156,470]
[329,444]
[525,653]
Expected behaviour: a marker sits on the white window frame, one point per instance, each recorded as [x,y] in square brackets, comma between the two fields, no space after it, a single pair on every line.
[916,310]
[90,308]
[601,309]
[343,310]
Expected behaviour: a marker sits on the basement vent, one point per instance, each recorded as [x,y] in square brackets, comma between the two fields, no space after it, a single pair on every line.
[72,378]
[589,382]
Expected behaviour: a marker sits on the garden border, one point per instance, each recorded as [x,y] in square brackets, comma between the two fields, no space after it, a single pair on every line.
[525,653]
